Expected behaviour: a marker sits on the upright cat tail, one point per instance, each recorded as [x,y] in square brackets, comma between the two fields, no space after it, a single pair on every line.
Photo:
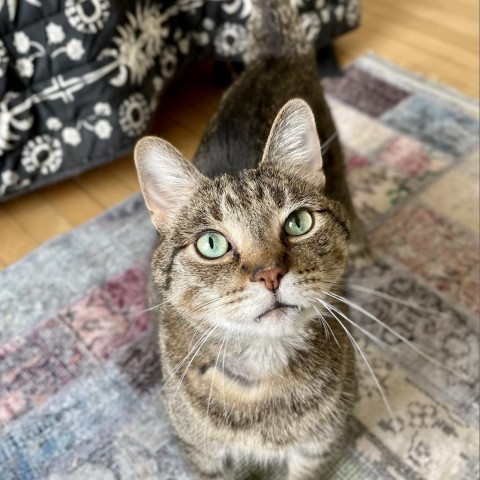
[275,31]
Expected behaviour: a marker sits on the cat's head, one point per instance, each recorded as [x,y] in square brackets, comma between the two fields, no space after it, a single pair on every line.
[251,253]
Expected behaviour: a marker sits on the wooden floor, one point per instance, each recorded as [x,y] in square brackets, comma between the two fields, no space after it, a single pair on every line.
[438,38]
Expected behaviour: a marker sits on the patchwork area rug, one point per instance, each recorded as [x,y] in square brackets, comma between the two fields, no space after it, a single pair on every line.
[79,383]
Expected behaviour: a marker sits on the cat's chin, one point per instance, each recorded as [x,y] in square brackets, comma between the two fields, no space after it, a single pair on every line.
[276,322]
[278,311]
[282,322]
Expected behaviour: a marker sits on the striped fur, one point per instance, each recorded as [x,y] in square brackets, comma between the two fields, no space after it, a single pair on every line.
[240,383]
[276,389]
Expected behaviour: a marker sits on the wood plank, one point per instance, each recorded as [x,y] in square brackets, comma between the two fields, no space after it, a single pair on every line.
[433,15]
[73,203]
[37,217]
[15,241]
[406,56]
[104,187]
[182,139]
[125,170]
[116,171]
[459,9]
[438,47]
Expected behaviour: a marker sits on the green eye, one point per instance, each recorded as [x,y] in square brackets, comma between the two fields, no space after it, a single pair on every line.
[212,245]
[298,223]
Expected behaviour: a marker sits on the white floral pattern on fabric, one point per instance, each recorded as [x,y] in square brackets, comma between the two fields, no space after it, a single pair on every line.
[21,42]
[87,16]
[208,24]
[158,83]
[297,3]
[353,12]
[311,25]
[325,14]
[138,49]
[71,136]
[73,49]
[201,38]
[168,62]
[138,42]
[55,33]
[103,129]
[3,59]
[152,24]
[25,67]
[25,45]
[54,124]
[134,115]
[10,121]
[241,8]
[231,39]
[11,180]
[43,153]
[102,108]
[339,13]
[183,42]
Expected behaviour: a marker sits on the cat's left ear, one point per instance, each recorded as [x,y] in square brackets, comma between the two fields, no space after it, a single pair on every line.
[293,141]
[167,179]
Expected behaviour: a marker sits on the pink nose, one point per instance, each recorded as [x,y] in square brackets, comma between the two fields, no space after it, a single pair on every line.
[271,277]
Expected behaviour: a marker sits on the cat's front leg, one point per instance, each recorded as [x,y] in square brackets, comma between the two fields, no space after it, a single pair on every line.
[310,461]
[208,463]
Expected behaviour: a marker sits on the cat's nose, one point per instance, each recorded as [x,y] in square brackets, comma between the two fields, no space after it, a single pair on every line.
[270,276]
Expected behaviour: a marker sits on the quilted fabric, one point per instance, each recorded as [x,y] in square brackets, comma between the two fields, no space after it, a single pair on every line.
[80,79]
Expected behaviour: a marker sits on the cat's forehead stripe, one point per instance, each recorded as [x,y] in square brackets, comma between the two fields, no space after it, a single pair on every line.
[247,190]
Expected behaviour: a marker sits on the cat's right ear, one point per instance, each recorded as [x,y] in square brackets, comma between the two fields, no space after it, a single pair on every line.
[293,142]
[166,177]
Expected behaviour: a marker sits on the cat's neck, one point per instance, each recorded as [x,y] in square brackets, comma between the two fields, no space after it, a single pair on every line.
[252,358]
[270,357]
[259,358]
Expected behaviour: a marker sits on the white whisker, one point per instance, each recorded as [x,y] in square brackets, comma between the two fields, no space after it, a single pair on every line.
[211,388]
[355,344]
[327,334]
[205,338]
[154,307]
[363,330]
[327,142]
[223,376]
[396,334]
[398,300]
[326,325]
[196,330]
[171,376]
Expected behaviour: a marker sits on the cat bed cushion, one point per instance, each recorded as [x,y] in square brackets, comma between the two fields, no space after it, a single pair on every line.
[81,79]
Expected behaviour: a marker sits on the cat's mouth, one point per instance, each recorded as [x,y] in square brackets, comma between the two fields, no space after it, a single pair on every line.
[277,306]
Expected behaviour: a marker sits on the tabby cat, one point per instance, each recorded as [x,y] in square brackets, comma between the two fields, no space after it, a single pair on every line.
[251,235]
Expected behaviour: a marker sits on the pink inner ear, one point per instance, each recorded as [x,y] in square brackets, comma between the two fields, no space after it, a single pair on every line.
[293,141]
[167,179]
[158,218]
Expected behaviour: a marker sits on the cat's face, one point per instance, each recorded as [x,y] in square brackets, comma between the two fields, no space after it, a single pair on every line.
[251,253]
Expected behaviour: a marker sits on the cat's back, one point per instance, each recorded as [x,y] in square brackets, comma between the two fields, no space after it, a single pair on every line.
[235,137]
